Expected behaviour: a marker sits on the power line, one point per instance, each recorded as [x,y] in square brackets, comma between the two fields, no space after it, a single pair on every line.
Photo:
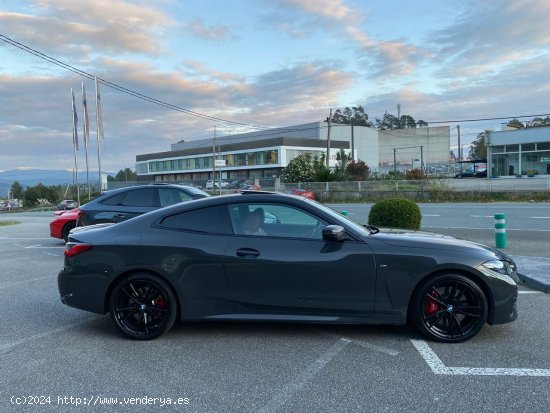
[115,86]
[167,105]
[485,119]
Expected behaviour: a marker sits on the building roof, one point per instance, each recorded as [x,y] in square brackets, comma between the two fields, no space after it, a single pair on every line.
[204,146]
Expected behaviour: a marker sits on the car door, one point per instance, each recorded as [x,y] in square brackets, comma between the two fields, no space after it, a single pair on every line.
[291,268]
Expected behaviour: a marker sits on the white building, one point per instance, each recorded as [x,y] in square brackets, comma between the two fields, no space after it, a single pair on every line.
[266,153]
[519,152]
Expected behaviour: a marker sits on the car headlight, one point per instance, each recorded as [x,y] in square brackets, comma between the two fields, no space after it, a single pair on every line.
[502,267]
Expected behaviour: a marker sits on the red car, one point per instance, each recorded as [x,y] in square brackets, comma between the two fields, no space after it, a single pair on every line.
[302,192]
[63,222]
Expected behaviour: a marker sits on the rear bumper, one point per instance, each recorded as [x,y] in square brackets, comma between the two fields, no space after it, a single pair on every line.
[83,291]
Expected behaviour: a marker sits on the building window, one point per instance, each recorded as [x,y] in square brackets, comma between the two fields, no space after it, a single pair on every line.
[543,146]
[512,148]
[497,149]
[527,147]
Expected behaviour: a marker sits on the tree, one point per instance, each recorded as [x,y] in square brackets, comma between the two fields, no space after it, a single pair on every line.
[340,172]
[422,124]
[321,172]
[478,150]
[358,171]
[17,190]
[514,123]
[300,169]
[125,175]
[407,121]
[538,122]
[356,116]
[388,121]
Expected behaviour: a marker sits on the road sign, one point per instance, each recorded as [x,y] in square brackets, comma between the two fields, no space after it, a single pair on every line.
[219,162]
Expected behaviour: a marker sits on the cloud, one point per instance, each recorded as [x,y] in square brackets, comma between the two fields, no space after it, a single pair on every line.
[216,32]
[69,28]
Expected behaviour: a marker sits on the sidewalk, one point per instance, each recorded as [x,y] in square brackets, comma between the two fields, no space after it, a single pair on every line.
[534,272]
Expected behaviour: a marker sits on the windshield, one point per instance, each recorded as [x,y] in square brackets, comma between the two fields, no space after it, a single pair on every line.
[335,214]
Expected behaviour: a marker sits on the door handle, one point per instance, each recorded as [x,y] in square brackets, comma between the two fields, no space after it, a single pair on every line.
[247,252]
[120,216]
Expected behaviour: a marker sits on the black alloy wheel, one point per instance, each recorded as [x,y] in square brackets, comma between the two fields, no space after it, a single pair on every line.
[143,307]
[449,308]
[67,228]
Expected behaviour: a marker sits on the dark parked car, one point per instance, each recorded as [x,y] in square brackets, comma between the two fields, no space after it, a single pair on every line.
[475,171]
[67,204]
[219,258]
[125,203]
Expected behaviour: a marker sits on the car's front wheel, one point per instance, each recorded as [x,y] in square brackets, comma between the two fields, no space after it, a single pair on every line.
[67,228]
[143,306]
[449,308]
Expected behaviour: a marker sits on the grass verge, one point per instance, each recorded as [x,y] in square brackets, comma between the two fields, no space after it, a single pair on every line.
[6,223]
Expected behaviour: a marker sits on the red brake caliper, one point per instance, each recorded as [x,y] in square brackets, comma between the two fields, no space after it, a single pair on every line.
[431,305]
[160,302]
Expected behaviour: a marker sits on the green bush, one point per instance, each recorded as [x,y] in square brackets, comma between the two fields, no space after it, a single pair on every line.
[395,213]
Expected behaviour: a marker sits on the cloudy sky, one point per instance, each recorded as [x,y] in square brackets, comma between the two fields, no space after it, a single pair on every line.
[265,63]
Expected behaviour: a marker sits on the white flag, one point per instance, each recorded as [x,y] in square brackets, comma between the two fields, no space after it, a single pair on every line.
[75,121]
[86,120]
[99,119]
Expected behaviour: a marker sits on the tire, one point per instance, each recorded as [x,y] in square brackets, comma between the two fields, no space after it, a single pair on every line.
[143,307]
[65,232]
[449,308]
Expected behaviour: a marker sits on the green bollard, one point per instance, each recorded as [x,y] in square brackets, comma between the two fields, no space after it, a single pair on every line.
[500,231]
[344,213]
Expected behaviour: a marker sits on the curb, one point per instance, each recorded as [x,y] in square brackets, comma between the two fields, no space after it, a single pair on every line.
[533,283]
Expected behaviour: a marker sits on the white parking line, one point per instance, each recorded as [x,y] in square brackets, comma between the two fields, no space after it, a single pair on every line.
[437,366]
[431,215]
[282,396]
[27,281]
[482,216]
[12,238]
[8,346]
[40,246]
[485,228]
[359,343]
[530,292]
[540,217]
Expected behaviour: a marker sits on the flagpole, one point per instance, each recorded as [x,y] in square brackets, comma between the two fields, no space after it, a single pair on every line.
[98,131]
[86,132]
[75,144]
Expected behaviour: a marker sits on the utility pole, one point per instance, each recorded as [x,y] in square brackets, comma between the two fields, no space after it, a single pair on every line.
[352,143]
[422,159]
[399,112]
[214,159]
[394,164]
[328,138]
[459,148]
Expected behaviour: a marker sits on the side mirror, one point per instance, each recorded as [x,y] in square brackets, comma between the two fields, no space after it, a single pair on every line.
[334,233]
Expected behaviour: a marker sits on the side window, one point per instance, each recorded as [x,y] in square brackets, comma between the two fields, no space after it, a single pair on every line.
[212,220]
[115,199]
[275,220]
[140,197]
[171,196]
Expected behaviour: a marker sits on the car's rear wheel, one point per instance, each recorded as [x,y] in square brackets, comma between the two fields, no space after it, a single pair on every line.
[66,229]
[449,308]
[143,306]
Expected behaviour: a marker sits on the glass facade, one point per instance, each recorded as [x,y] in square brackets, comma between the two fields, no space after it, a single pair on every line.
[259,158]
[521,159]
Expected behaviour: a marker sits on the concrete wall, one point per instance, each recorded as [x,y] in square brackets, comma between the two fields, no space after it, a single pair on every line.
[435,140]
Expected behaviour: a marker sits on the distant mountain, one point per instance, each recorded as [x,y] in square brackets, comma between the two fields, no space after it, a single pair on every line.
[31,177]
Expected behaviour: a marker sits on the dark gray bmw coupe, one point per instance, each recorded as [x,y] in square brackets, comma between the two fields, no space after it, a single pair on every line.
[266,256]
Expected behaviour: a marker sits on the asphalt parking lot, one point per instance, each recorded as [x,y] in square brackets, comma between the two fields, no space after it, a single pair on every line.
[62,359]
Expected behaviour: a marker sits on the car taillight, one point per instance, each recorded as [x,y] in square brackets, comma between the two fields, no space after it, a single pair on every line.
[72,249]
